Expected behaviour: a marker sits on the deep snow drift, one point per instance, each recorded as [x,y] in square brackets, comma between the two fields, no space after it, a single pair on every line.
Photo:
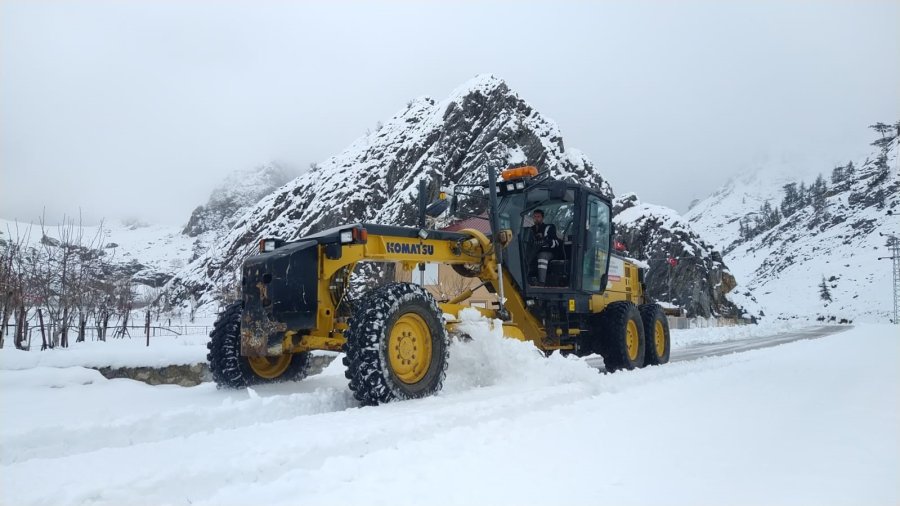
[808,422]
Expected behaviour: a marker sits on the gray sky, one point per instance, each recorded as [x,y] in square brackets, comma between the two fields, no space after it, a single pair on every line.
[136,109]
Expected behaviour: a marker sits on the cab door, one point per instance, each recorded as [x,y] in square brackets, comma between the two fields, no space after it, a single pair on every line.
[597,242]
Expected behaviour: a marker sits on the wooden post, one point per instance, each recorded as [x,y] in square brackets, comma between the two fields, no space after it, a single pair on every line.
[21,326]
[43,332]
[147,326]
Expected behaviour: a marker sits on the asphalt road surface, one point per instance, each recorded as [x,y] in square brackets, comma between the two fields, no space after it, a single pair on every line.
[699,350]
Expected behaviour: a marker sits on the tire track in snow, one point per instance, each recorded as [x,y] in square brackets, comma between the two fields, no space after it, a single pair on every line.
[60,440]
[189,467]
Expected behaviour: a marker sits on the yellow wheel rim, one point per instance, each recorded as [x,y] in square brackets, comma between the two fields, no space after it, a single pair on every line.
[632,340]
[269,367]
[409,348]
[659,338]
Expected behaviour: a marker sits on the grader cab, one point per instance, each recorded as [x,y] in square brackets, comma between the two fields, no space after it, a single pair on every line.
[296,295]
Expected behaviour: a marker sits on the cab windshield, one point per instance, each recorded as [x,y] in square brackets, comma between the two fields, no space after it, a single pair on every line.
[530,251]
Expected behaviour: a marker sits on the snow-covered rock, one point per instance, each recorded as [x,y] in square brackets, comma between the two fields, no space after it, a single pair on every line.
[659,236]
[234,195]
[228,201]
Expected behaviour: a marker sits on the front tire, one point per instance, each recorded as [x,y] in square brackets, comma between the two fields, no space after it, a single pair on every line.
[397,346]
[232,370]
[621,340]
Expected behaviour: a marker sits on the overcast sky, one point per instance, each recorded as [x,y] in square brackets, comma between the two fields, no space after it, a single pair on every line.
[137,109]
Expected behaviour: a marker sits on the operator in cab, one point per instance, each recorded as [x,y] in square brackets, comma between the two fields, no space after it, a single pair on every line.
[545,239]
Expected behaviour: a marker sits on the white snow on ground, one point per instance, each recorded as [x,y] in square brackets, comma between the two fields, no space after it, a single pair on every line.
[127,352]
[191,348]
[810,422]
[688,337]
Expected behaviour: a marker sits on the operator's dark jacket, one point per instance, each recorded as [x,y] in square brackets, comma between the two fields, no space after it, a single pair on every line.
[545,231]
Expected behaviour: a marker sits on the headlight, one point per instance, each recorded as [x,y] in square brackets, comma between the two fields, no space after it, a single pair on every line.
[510,187]
[520,185]
[346,236]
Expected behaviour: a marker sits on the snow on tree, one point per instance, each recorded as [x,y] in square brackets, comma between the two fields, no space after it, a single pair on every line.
[837,175]
[824,292]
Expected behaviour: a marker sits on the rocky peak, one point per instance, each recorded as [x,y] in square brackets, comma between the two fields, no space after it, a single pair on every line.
[237,193]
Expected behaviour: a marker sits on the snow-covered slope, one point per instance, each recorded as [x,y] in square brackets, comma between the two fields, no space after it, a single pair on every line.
[481,126]
[834,238]
[717,216]
[698,281]
[228,201]
[149,253]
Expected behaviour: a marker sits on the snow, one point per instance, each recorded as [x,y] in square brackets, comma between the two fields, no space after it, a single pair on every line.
[709,335]
[127,352]
[810,422]
[779,271]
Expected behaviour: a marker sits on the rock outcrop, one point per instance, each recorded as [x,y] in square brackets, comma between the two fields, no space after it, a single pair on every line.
[685,271]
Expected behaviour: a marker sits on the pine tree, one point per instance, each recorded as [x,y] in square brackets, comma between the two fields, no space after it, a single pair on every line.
[790,201]
[884,170]
[824,292]
[776,218]
[766,215]
[818,191]
[837,175]
[849,170]
[883,143]
[880,128]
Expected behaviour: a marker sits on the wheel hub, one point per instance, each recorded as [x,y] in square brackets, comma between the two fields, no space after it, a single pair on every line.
[269,367]
[632,341]
[409,348]
[659,338]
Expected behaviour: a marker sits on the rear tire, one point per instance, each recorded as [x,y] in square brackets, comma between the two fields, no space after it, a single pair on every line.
[232,370]
[621,340]
[656,331]
[397,346]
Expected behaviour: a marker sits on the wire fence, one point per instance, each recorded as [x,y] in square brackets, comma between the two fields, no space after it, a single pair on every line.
[91,333]
[140,331]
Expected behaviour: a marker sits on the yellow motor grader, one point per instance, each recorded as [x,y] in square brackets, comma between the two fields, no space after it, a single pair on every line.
[296,295]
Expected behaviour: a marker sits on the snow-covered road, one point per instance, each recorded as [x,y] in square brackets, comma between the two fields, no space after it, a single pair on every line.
[727,347]
[811,421]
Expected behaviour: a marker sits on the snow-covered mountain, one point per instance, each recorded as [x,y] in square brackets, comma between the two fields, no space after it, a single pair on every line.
[783,238]
[228,201]
[684,270]
[481,126]
[239,191]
